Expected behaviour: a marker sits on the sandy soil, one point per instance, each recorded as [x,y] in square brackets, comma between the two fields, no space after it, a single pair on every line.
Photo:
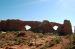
[37,43]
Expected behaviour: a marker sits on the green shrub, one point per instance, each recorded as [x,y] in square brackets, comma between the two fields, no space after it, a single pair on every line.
[40,35]
[73,37]
[56,40]
[67,46]
[72,41]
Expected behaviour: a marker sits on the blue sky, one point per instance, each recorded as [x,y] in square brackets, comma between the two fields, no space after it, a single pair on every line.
[52,10]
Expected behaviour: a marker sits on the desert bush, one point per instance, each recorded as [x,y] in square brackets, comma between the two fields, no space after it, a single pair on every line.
[49,44]
[40,35]
[56,40]
[2,44]
[68,46]
[19,40]
[73,37]
[43,47]
[72,42]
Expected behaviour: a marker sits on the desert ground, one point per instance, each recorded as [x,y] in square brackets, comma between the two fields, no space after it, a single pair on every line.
[31,40]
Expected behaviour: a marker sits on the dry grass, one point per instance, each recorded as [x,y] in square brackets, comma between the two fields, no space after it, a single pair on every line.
[33,40]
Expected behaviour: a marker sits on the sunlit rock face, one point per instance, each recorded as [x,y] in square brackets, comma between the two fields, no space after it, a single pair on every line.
[27,27]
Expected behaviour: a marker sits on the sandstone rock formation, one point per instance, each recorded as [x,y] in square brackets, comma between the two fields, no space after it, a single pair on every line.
[67,27]
[36,26]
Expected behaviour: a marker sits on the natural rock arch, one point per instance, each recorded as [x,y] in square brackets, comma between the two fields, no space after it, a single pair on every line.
[36,26]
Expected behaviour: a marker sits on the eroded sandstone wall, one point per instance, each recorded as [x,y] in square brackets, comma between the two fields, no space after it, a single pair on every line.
[36,26]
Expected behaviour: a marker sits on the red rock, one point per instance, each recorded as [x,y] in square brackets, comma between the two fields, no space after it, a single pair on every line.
[36,26]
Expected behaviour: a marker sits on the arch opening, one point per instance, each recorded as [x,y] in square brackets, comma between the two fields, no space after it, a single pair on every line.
[27,27]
